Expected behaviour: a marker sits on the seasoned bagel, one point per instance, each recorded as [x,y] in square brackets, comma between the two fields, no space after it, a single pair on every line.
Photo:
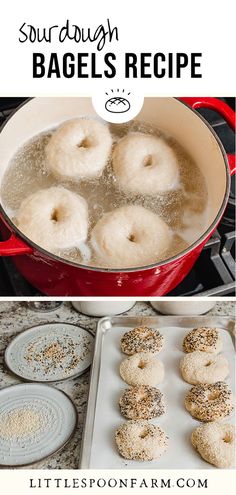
[142,402]
[141,339]
[215,443]
[204,339]
[141,441]
[209,402]
[203,367]
[142,369]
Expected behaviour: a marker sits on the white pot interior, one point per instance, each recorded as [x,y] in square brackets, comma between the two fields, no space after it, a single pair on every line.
[169,114]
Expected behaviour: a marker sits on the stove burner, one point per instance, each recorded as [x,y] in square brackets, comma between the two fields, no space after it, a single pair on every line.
[214,272]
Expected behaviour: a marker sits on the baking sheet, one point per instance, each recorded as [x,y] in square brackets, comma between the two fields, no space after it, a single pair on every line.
[103,415]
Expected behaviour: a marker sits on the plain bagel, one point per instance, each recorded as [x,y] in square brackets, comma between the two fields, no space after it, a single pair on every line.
[145,164]
[79,149]
[55,218]
[130,236]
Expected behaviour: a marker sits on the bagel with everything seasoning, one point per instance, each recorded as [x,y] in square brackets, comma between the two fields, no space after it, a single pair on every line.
[204,339]
[142,339]
[209,402]
[142,402]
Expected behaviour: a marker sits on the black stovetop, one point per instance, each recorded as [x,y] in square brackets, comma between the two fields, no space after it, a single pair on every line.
[214,272]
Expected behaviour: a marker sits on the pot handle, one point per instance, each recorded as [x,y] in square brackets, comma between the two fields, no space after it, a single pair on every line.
[14,246]
[213,104]
[232,163]
[220,107]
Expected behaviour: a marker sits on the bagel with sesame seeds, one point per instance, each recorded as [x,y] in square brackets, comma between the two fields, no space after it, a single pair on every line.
[141,441]
[204,367]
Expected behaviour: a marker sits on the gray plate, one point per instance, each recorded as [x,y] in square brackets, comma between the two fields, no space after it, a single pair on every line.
[50,353]
[52,417]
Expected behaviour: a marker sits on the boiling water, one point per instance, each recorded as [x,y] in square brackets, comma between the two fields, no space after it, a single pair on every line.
[183,209]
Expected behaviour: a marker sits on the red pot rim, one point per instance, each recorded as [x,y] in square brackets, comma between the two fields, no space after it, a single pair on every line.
[190,248]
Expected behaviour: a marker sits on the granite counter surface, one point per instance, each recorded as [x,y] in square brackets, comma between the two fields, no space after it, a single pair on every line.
[16,316]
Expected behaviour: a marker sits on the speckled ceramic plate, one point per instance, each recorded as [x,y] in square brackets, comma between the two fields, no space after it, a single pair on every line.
[50,353]
[36,420]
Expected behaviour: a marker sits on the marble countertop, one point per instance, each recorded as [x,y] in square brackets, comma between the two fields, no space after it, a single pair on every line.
[16,316]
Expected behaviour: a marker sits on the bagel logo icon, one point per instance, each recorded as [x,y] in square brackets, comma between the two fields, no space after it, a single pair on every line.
[117,103]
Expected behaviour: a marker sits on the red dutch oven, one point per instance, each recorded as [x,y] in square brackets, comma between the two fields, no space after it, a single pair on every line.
[54,276]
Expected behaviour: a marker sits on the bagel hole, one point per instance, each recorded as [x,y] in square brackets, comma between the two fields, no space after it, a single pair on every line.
[148,334]
[148,161]
[141,365]
[55,215]
[143,434]
[85,143]
[141,396]
[132,238]
[213,395]
[227,439]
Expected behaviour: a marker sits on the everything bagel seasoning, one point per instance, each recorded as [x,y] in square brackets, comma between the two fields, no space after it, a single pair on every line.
[142,402]
[209,402]
[204,339]
[142,339]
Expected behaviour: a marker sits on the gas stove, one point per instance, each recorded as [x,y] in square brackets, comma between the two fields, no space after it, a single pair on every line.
[214,272]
